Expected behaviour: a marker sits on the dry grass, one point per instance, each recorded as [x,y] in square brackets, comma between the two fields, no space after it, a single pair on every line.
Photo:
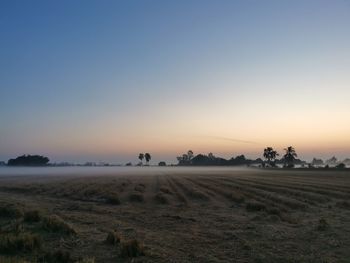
[56,224]
[207,216]
[10,210]
[132,248]
[112,199]
[113,238]
[12,244]
[255,206]
[32,216]
[136,197]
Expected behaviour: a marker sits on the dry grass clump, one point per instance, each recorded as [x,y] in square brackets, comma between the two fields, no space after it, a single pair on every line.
[343,204]
[56,224]
[165,190]
[58,256]
[322,225]
[237,197]
[161,199]
[132,248]
[113,238]
[112,199]
[12,260]
[86,260]
[10,210]
[11,243]
[136,197]
[140,188]
[32,216]
[255,207]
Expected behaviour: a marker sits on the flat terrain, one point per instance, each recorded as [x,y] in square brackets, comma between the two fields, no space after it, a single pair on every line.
[179,215]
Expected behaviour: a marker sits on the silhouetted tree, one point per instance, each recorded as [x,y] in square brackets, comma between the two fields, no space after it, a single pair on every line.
[270,155]
[29,160]
[190,155]
[162,164]
[141,156]
[289,157]
[147,157]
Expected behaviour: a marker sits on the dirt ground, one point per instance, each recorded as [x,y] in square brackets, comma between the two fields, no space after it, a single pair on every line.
[202,215]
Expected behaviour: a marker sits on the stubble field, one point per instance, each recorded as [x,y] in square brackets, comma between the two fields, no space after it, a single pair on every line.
[177,215]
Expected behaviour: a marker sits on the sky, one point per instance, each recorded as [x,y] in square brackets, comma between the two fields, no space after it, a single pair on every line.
[105,80]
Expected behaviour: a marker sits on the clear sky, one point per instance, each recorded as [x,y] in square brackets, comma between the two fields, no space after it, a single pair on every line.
[105,80]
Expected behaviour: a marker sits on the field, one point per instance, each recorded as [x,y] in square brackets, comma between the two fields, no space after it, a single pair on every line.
[177,215]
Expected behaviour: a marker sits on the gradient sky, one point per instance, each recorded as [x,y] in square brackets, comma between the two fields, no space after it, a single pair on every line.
[105,80]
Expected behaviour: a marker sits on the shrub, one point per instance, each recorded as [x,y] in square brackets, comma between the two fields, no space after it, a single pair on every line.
[113,238]
[32,216]
[56,224]
[132,248]
[255,206]
[11,243]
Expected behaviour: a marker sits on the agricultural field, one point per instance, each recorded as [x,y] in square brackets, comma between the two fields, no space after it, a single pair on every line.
[177,215]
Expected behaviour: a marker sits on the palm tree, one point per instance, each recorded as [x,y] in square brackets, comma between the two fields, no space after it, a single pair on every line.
[147,157]
[289,157]
[190,155]
[141,156]
[270,155]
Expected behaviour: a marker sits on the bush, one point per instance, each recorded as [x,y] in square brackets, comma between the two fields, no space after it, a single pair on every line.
[56,224]
[132,248]
[11,243]
[32,216]
[113,238]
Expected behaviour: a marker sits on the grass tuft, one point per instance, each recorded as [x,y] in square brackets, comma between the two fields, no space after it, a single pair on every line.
[56,224]
[322,225]
[9,210]
[132,248]
[32,216]
[113,238]
[136,197]
[255,207]
[13,244]
[161,199]
[58,256]
[112,199]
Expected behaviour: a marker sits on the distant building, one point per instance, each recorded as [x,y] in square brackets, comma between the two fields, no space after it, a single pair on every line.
[2,163]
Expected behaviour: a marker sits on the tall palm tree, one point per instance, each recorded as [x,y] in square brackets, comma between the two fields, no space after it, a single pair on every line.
[147,157]
[290,156]
[141,156]
[270,155]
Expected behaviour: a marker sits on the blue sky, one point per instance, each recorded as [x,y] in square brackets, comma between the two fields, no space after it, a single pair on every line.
[104,80]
